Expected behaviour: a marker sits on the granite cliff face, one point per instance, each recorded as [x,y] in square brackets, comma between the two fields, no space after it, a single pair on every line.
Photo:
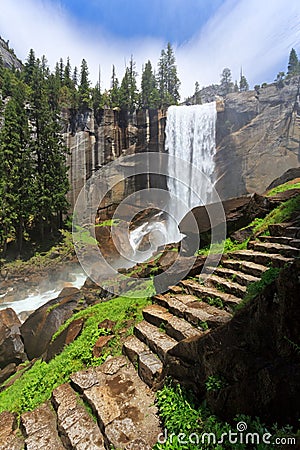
[95,140]
[258,138]
[8,56]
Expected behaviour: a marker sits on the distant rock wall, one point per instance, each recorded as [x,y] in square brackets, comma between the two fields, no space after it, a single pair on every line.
[258,138]
[9,58]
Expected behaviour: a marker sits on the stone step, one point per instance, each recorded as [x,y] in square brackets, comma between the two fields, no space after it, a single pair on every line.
[267,259]
[242,278]
[293,232]
[76,426]
[158,341]
[193,310]
[247,267]
[281,229]
[40,429]
[174,326]
[206,293]
[224,285]
[123,403]
[285,240]
[148,364]
[285,250]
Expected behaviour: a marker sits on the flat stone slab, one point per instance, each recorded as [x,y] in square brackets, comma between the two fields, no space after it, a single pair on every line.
[148,364]
[40,428]
[231,287]
[75,424]
[257,257]
[192,309]
[8,438]
[205,292]
[123,403]
[175,327]
[247,267]
[158,341]
[235,275]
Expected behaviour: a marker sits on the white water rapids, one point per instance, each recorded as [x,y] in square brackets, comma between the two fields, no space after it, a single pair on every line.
[41,296]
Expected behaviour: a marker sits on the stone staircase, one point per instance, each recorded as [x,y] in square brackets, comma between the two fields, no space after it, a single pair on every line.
[122,414]
[198,305]
[113,405]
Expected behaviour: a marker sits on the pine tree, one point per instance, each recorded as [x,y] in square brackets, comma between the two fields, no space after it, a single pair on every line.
[226,81]
[29,67]
[128,90]
[16,173]
[67,75]
[51,182]
[75,77]
[114,91]
[293,64]
[168,81]
[244,86]
[148,87]
[84,86]
[197,95]
[96,97]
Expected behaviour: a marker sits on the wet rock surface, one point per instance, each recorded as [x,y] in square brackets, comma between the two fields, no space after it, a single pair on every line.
[11,344]
[41,325]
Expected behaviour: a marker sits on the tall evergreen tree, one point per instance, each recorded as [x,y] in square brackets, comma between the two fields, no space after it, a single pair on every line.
[29,67]
[51,183]
[128,89]
[226,81]
[16,173]
[244,86]
[84,86]
[197,95]
[114,90]
[149,92]
[168,81]
[293,64]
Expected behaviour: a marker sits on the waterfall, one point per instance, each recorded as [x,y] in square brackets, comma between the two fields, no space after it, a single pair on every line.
[190,135]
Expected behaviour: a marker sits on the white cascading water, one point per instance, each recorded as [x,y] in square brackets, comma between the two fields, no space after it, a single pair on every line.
[190,135]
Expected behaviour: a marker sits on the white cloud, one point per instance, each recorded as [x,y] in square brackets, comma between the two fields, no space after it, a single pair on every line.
[254,34]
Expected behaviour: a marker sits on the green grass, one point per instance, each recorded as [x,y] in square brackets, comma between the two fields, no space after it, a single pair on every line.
[36,385]
[180,414]
[109,223]
[282,213]
[226,246]
[282,188]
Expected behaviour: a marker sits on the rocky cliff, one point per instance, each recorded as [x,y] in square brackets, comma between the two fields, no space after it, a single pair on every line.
[258,138]
[8,55]
[97,139]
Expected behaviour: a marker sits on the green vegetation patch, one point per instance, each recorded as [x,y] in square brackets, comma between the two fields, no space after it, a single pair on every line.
[283,187]
[229,245]
[283,213]
[36,385]
[186,424]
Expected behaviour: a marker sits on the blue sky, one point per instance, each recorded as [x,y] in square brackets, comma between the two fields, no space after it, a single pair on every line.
[171,20]
[207,35]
